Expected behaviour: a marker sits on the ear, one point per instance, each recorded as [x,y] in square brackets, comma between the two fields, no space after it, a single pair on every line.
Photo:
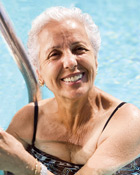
[96,62]
[40,78]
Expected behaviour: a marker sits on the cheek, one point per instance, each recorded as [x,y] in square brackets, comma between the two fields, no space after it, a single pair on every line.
[88,63]
[50,72]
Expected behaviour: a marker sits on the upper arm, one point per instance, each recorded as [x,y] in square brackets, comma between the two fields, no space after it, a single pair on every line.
[121,144]
[21,126]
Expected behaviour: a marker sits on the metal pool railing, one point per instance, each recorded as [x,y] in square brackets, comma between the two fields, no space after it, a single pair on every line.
[20,56]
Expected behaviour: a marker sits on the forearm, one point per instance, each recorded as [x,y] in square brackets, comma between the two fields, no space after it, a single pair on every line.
[29,167]
[26,164]
[13,156]
[23,164]
[85,170]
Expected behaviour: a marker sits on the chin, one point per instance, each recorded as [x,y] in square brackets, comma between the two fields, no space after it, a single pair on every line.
[75,94]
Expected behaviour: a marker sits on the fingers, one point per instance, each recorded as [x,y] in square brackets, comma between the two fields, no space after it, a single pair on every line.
[1,130]
[1,133]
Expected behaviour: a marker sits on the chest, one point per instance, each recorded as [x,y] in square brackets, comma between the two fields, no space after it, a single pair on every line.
[72,146]
[75,148]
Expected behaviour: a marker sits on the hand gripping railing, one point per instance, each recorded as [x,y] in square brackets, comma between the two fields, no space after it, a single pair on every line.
[19,55]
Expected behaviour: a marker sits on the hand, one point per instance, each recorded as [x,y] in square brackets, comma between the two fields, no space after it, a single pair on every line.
[11,153]
[13,156]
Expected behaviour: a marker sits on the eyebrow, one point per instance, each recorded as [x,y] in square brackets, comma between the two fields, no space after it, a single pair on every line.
[79,42]
[47,50]
[59,46]
[54,47]
[51,48]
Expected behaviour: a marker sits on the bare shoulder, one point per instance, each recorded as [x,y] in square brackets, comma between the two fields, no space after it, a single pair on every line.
[129,112]
[133,109]
[125,123]
[121,138]
[22,123]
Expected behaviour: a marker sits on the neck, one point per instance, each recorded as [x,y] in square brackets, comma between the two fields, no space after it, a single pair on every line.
[74,113]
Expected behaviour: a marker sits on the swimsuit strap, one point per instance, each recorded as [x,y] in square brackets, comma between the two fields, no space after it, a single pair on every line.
[35,122]
[121,104]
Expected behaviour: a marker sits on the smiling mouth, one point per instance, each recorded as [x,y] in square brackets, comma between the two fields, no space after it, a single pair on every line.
[73,78]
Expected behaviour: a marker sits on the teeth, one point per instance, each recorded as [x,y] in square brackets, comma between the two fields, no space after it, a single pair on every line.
[73,79]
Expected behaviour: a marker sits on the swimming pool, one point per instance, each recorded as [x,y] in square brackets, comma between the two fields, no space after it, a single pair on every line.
[119,60]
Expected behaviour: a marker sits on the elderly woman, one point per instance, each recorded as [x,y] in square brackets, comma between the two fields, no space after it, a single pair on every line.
[82,130]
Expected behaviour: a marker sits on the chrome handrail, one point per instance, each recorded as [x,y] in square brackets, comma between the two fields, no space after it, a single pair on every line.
[19,55]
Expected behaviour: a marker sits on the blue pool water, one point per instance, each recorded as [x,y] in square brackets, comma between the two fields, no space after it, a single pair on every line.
[119,57]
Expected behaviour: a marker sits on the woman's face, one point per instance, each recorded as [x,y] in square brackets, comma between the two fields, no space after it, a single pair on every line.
[67,60]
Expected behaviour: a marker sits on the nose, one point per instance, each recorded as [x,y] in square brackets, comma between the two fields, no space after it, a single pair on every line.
[69,61]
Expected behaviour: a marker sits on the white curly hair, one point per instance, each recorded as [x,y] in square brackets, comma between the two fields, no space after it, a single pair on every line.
[59,14]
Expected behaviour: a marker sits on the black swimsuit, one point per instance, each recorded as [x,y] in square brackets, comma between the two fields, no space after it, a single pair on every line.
[61,167]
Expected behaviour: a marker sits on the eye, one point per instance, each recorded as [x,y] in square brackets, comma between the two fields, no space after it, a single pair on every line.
[79,50]
[54,54]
